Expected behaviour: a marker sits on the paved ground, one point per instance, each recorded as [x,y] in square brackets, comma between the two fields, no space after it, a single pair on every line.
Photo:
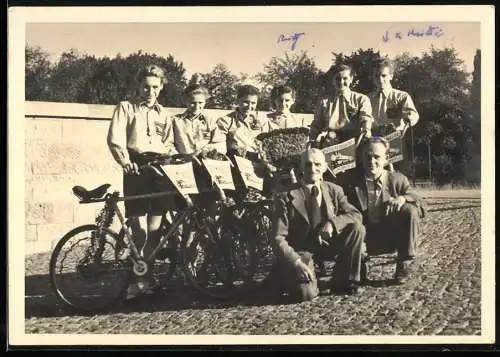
[442,298]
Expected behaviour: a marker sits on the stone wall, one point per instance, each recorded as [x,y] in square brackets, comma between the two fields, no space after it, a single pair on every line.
[66,146]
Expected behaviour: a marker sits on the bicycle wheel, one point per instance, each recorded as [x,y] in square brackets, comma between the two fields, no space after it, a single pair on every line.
[207,265]
[255,224]
[84,270]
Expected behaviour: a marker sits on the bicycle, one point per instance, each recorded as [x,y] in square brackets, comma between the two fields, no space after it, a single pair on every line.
[250,218]
[108,260]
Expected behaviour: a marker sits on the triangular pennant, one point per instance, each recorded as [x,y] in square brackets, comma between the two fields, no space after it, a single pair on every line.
[182,176]
[341,157]
[248,173]
[220,171]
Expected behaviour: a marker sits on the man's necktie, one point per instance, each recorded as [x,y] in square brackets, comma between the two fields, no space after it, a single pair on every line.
[374,195]
[342,114]
[382,107]
[314,209]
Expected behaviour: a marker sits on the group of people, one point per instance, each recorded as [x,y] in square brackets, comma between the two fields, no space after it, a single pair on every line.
[345,222]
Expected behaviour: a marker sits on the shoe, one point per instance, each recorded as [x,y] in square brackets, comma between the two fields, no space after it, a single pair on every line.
[350,288]
[141,287]
[325,291]
[133,291]
[402,271]
[321,269]
[147,287]
[364,272]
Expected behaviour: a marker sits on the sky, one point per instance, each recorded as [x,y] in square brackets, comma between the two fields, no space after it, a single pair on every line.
[245,47]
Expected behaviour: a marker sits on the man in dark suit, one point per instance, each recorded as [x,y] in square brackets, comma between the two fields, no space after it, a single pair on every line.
[391,211]
[315,219]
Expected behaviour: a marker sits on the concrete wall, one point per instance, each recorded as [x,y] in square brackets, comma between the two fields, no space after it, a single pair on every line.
[66,146]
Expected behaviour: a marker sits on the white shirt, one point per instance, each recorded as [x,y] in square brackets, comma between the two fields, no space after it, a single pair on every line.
[394,99]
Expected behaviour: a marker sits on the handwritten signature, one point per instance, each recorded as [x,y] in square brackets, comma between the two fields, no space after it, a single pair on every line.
[294,38]
[435,31]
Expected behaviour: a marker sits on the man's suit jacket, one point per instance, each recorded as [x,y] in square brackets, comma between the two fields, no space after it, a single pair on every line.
[396,184]
[291,223]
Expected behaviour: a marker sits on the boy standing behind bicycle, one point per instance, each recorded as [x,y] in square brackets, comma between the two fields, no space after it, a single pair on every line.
[390,105]
[193,132]
[193,129]
[238,129]
[343,113]
[142,126]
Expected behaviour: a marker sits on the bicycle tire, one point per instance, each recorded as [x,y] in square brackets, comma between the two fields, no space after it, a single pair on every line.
[84,298]
[256,222]
[217,277]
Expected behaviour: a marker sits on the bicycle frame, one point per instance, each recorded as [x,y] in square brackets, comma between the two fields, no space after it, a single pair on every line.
[179,218]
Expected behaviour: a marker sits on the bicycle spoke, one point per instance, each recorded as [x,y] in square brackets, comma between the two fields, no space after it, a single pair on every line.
[83,277]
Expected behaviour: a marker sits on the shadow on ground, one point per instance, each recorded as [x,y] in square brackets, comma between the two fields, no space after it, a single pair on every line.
[41,300]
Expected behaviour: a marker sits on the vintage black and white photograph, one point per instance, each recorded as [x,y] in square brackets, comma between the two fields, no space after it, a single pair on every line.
[222,175]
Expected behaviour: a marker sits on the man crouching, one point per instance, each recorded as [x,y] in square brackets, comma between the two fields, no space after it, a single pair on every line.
[391,209]
[316,220]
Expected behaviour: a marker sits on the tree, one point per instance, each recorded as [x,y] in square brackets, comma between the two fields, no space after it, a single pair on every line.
[298,71]
[222,85]
[474,164]
[115,79]
[38,70]
[441,92]
[476,97]
[81,78]
[70,76]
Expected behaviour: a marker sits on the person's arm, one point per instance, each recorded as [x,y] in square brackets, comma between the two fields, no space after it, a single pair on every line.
[318,123]
[220,132]
[405,194]
[169,136]
[365,113]
[117,135]
[410,113]
[346,212]
[212,143]
[280,230]
[404,189]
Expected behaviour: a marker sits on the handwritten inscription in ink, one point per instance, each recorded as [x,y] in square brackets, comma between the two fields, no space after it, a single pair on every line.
[293,39]
[430,31]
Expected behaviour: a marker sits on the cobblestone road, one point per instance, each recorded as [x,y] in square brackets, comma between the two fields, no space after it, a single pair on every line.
[442,298]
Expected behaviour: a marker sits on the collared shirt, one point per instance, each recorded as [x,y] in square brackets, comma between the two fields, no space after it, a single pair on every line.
[349,110]
[393,106]
[374,190]
[282,121]
[140,128]
[237,131]
[191,133]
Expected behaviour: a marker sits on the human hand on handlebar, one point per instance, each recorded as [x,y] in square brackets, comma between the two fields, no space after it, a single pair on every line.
[131,168]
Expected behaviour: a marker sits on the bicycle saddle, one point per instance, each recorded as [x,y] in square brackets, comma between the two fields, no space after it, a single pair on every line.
[86,195]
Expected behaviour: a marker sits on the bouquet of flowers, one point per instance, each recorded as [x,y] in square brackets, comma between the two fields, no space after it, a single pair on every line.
[282,148]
